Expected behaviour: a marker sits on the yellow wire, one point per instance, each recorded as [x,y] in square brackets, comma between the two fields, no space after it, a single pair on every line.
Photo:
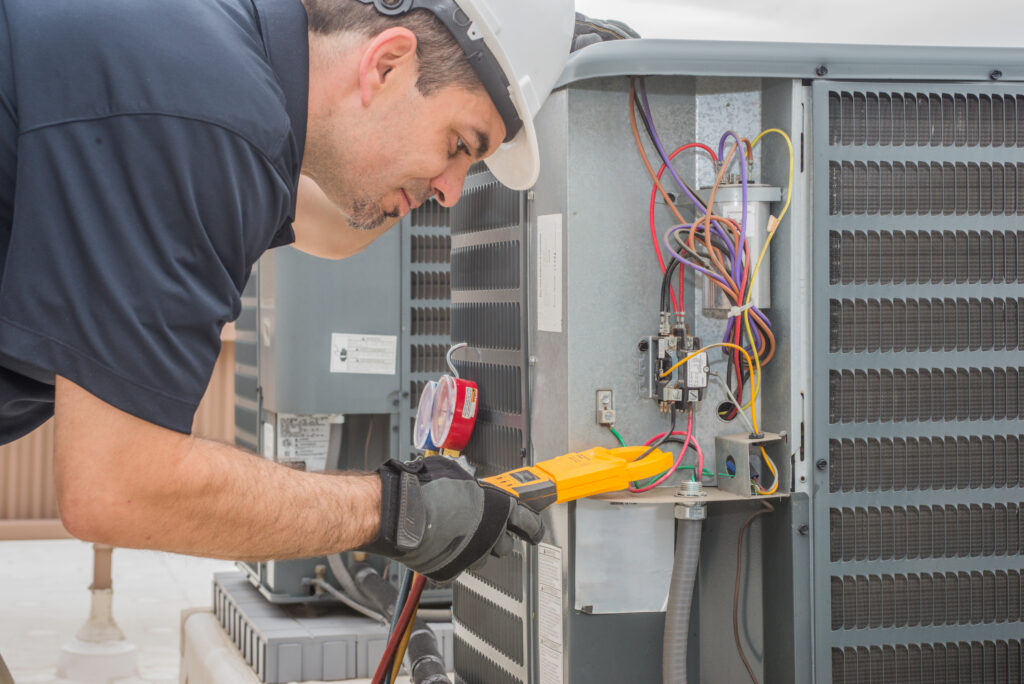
[403,645]
[775,474]
[750,366]
[764,250]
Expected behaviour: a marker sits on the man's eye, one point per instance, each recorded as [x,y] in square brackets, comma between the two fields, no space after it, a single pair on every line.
[460,146]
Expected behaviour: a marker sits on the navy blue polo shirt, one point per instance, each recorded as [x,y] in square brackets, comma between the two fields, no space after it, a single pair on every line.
[149,153]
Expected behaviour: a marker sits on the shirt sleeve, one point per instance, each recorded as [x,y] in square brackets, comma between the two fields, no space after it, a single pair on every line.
[132,240]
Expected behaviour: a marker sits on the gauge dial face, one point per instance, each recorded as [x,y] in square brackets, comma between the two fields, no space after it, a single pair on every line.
[421,430]
[444,410]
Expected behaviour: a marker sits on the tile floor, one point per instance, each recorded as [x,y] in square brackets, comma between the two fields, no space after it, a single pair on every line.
[44,600]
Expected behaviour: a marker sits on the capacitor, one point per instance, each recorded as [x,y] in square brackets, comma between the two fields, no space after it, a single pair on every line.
[729,204]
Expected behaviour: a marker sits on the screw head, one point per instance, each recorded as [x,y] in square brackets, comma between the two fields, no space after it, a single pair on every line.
[643,346]
[803,529]
[996,75]
[822,70]
[822,464]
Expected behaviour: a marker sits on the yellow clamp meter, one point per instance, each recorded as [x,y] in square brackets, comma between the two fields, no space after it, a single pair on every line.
[574,476]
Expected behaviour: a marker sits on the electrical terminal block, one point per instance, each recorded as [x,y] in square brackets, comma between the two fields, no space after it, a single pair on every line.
[685,384]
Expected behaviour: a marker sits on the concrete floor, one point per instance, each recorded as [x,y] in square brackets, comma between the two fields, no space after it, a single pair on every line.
[44,600]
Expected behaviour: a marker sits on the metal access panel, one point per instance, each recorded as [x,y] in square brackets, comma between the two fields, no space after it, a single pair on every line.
[917,338]
[553,289]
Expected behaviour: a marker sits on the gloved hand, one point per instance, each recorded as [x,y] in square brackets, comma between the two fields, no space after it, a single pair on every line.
[438,520]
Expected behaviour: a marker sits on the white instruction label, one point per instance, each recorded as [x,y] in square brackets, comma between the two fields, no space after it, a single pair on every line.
[304,440]
[368,354]
[696,371]
[549,613]
[549,273]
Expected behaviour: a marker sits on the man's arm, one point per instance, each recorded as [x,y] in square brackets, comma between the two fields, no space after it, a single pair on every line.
[322,230]
[126,482]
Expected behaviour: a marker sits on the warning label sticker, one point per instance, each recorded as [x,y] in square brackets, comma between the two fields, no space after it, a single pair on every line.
[469,406]
[368,354]
[549,613]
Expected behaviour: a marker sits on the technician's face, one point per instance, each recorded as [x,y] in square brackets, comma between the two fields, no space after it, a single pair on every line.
[410,148]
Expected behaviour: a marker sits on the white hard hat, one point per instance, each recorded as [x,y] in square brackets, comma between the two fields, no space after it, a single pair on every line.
[518,48]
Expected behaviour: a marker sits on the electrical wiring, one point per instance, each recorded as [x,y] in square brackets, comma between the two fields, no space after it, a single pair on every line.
[750,364]
[617,435]
[658,442]
[768,508]
[775,474]
[773,223]
[678,304]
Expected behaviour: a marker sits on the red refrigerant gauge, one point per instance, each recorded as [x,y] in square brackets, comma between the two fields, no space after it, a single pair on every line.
[455,406]
[421,430]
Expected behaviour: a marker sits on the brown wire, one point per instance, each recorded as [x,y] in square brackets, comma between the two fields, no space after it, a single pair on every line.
[768,508]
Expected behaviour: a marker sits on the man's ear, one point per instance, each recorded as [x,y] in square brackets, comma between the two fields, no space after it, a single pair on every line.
[389,57]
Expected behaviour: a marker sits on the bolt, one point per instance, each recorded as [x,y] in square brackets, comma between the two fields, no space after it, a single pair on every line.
[996,75]
[803,529]
[643,346]
[822,464]
[822,70]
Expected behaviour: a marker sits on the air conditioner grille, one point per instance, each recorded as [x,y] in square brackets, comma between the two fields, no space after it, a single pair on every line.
[504,574]
[921,395]
[474,668]
[495,625]
[486,206]
[503,383]
[961,662]
[494,266]
[917,325]
[926,599]
[898,532]
[430,285]
[919,119]
[925,188]
[926,257]
[492,325]
[908,464]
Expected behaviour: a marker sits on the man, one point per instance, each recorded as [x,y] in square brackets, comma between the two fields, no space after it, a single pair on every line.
[150,151]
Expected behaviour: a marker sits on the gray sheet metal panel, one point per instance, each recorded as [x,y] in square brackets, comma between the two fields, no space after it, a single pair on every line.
[303,300]
[790,60]
[873,497]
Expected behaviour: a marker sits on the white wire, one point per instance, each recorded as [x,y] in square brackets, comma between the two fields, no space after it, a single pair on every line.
[448,357]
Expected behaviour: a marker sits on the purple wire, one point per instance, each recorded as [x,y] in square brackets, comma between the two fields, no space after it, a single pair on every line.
[743,187]
[668,163]
[681,259]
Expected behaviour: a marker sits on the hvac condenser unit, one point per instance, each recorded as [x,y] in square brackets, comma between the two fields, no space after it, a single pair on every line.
[896,391]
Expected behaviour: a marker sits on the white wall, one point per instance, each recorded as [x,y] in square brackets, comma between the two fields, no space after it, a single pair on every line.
[976,23]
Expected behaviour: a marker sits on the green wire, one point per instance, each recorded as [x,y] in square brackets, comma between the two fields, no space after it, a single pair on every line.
[617,435]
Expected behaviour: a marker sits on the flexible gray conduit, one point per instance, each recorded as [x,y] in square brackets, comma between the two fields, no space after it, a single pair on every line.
[680,599]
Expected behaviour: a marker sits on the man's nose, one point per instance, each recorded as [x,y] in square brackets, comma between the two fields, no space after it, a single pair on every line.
[447,187]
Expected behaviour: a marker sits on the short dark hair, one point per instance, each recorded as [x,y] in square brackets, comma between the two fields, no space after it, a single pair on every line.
[442,62]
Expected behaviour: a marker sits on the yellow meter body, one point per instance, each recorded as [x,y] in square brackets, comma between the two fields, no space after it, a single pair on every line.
[582,474]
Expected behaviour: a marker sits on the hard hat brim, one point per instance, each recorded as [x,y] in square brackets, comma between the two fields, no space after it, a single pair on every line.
[516,163]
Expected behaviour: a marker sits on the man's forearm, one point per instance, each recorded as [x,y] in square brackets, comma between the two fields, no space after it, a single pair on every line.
[126,482]
[232,504]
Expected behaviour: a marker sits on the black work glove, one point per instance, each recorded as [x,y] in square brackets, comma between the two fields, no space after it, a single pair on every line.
[438,520]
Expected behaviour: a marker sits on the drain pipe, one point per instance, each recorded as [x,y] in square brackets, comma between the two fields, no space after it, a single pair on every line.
[690,513]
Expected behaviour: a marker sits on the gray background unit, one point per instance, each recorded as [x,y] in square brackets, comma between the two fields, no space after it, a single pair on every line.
[398,286]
